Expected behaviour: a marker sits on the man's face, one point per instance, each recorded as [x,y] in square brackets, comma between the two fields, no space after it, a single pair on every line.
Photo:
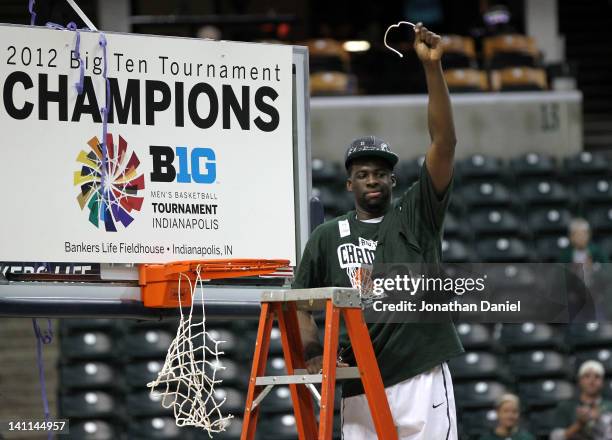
[371,181]
[508,415]
[580,237]
[591,383]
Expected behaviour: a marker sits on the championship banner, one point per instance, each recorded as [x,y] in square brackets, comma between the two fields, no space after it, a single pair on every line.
[199,156]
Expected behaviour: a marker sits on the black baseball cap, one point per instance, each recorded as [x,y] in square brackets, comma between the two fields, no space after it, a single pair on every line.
[370,146]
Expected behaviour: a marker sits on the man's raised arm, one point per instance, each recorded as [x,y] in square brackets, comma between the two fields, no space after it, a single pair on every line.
[441,153]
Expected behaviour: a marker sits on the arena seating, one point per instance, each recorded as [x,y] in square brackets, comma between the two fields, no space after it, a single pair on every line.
[514,210]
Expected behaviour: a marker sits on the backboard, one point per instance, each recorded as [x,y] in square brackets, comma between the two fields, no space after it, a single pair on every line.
[207,155]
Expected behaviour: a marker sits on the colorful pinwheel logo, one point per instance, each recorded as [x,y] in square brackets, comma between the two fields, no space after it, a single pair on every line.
[109,183]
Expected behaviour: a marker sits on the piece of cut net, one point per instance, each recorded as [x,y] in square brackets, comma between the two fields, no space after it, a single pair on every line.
[186,383]
[361,279]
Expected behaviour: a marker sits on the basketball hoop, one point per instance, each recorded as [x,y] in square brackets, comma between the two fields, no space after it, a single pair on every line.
[186,383]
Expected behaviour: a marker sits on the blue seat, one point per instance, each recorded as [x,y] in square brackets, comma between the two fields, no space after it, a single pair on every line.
[539,363]
[534,165]
[551,248]
[530,335]
[88,375]
[139,373]
[475,336]
[545,192]
[587,163]
[88,404]
[592,334]
[477,365]
[478,394]
[549,221]
[600,219]
[479,167]
[325,171]
[478,422]
[153,428]
[505,249]
[496,222]
[456,251]
[92,430]
[486,194]
[147,343]
[545,392]
[89,345]
[278,401]
[595,191]
[277,427]
[141,403]
[603,355]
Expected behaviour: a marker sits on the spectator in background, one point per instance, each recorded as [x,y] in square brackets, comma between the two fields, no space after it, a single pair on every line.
[581,252]
[508,420]
[588,417]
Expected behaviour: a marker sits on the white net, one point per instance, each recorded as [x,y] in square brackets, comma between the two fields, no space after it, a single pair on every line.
[361,279]
[186,383]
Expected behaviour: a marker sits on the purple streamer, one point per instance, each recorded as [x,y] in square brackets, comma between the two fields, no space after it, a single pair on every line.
[32,13]
[104,111]
[72,26]
[43,338]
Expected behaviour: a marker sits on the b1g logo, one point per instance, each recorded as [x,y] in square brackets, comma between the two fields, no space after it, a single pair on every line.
[197,165]
[109,183]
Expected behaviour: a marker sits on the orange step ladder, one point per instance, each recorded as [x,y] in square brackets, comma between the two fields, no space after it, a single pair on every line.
[335,301]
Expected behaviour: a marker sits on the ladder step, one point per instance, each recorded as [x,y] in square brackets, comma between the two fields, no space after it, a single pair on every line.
[314,299]
[302,376]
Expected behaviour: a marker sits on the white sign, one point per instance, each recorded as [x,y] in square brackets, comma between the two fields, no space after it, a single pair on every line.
[199,157]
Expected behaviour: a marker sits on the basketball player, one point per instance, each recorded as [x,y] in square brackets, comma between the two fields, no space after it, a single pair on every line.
[411,357]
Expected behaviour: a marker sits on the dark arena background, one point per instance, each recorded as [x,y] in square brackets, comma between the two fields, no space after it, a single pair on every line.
[531,87]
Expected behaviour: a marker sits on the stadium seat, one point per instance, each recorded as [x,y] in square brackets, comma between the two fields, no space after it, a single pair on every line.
[475,336]
[88,404]
[478,422]
[276,346]
[327,55]
[607,389]
[494,222]
[480,394]
[543,422]
[278,427]
[550,248]
[478,166]
[232,431]
[466,80]
[545,192]
[507,250]
[278,401]
[234,398]
[485,194]
[332,83]
[459,52]
[510,50]
[156,428]
[600,219]
[141,403]
[456,251]
[71,325]
[147,343]
[324,171]
[547,221]
[232,373]
[587,163]
[538,363]
[606,245]
[477,365]
[92,430]
[514,79]
[545,392]
[233,344]
[452,227]
[534,165]
[88,375]
[510,277]
[598,191]
[603,355]
[139,373]
[592,334]
[530,335]
[408,172]
[89,345]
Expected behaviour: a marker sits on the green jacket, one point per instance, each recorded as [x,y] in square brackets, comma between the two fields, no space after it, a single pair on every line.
[410,232]
[597,254]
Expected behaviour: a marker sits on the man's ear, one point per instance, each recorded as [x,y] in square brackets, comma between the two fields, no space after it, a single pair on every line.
[393,180]
[349,185]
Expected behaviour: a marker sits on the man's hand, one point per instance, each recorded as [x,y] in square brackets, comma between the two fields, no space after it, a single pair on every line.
[428,45]
[315,365]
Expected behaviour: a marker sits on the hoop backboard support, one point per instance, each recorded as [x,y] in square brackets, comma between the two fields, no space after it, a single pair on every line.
[111,290]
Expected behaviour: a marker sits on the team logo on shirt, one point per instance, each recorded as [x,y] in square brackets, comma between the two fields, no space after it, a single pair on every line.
[352,255]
